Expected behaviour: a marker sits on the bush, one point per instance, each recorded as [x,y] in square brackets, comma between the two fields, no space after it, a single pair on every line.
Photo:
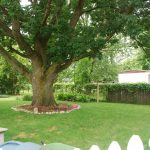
[75,97]
[27,97]
[66,96]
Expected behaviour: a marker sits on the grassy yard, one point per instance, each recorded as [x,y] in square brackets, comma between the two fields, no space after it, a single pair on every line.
[92,124]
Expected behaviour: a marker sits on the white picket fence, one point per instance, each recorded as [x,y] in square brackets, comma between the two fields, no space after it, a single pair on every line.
[135,143]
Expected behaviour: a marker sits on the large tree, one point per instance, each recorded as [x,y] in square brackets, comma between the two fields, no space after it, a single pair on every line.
[52,34]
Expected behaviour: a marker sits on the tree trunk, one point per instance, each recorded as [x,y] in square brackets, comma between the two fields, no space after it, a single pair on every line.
[42,93]
[42,86]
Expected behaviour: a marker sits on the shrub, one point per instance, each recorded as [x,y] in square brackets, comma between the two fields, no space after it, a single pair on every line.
[75,97]
[27,97]
[66,96]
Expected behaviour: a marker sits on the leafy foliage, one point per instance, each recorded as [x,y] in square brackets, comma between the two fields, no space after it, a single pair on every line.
[129,87]
[75,97]
[91,31]
[11,82]
[27,97]
[138,27]
[140,61]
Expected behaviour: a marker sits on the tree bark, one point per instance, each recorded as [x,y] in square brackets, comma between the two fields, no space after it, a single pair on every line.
[42,93]
[42,85]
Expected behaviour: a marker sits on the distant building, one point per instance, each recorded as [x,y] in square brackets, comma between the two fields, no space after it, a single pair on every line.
[134,76]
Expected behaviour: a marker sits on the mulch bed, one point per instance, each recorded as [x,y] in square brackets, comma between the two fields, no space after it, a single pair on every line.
[62,108]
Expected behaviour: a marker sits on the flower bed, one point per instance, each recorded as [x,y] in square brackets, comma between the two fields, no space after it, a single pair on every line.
[60,108]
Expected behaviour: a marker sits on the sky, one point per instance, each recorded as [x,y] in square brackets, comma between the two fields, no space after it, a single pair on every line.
[24,2]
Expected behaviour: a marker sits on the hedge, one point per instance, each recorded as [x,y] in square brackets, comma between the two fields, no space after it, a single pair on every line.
[75,97]
[129,93]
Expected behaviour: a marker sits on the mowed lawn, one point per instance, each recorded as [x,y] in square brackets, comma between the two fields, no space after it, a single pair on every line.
[94,123]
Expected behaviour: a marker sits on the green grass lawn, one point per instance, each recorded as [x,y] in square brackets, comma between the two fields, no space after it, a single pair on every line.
[92,124]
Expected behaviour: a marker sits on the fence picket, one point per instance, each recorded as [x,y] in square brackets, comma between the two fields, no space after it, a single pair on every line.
[114,146]
[135,143]
[94,147]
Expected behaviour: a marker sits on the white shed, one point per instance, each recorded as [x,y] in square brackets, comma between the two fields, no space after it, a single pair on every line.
[134,76]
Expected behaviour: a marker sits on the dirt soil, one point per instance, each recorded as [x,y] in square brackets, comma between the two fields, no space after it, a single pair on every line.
[44,109]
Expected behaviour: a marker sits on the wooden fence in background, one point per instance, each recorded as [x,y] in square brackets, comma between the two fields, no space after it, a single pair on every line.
[124,96]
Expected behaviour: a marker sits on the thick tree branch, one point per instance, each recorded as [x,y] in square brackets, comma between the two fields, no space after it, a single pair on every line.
[53,22]
[23,45]
[7,31]
[16,64]
[68,62]
[127,10]
[40,47]
[57,14]
[64,65]
[19,38]
[77,13]
[15,34]
[50,70]
[11,49]
[47,12]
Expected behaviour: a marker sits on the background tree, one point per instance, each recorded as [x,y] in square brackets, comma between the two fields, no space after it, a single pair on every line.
[140,61]
[53,34]
[140,22]
[11,82]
